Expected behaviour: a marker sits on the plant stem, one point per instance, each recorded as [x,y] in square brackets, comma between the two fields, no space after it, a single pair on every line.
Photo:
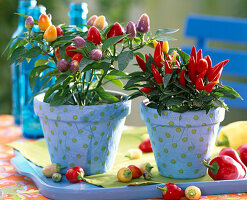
[114,50]
[79,97]
[131,42]
[90,80]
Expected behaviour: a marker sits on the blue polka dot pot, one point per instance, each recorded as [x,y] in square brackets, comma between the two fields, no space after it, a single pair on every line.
[180,141]
[83,136]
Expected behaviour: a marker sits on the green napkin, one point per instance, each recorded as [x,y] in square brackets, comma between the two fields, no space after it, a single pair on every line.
[37,153]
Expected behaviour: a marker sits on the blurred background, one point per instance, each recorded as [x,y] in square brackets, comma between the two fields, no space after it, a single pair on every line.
[162,13]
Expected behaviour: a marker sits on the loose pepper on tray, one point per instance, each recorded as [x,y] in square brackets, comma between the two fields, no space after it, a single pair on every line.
[75,174]
[170,191]
[145,146]
[243,153]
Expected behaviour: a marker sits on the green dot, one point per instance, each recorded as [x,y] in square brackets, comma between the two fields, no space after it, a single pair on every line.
[93,128]
[170,176]
[51,109]
[52,155]
[96,158]
[64,157]
[40,107]
[58,118]
[80,107]
[193,131]
[160,139]
[108,138]
[154,128]
[72,164]
[188,125]
[196,171]
[103,149]
[46,117]
[207,145]
[171,123]
[190,148]
[56,124]
[55,148]
[96,123]
[97,172]
[49,139]
[204,124]
[168,135]
[146,108]
[78,156]
[158,154]
[178,130]
[180,117]
[108,153]
[85,146]
[89,136]
[45,122]
[67,148]
[74,140]
[153,142]
[184,139]
[199,155]
[64,132]
[205,152]
[174,145]
[211,115]
[85,119]
[114,127]
[183,155]
[75,117]
[148,120]
[166,150]
[173,161]
[102,114]
[115,106]
[159,168]
[89,162]
[91,113]
[155,116]
[196,117]
[181,171]
[201,139]
[65,110]
[103,163]
[60,141]
[209,128]
[108,123]
[102,133]
[111,117]
[164,165]
[80,131]
[165,113]
[70,124]
[189,164]
[95,143]
[52,132]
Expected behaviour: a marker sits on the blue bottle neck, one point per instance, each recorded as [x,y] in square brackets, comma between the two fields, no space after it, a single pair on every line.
[23,8]
[78,14]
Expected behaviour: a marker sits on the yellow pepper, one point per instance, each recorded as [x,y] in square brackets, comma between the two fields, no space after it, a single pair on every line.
[165,46]
[233,135]
[174,57]
[100,22]
[155,43]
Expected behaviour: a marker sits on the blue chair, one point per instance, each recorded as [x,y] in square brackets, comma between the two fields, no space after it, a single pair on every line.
[224,30]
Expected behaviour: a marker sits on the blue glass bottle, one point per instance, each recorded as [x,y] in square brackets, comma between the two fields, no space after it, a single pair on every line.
[23,8]
[29,121]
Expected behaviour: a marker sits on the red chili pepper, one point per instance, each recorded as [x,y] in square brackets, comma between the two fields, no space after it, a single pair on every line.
[158,55]
[182,78]
[68,51]
[57,54]
[75,174]
[77,57]
[193,53]
[199,83]
[170,191]
[147,90]
[233,154]
[243,153]
[214,73]
[177,63]
[192,70]
[146,57]
[209,87]
[116,30]
[145,146]
[156,74]
[202,66]
[169,58]
[141,63]
[167,68]
[199,55]
[224,168]
[93,35]
[209,61]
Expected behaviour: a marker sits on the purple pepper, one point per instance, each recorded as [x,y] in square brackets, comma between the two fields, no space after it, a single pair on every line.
[74,66]
[96,54]
[29,23]
[79,42]
[143,25]
[63,65]
[91,20]
[131,30]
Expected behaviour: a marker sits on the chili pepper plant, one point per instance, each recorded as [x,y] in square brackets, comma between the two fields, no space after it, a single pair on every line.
[173,80]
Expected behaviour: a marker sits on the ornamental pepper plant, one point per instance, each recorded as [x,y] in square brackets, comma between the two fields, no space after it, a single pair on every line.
[173,80]
[82,62]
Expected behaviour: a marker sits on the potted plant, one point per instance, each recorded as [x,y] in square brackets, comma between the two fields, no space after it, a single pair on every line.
[82,122]
[183,108]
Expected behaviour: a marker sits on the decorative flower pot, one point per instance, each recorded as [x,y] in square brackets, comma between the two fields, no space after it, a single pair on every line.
[83,136]
[180,141]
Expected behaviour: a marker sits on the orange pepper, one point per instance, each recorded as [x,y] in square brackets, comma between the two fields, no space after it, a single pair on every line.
[50,34]
[44,22]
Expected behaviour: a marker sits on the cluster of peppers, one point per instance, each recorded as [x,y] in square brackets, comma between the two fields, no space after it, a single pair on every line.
[199,70]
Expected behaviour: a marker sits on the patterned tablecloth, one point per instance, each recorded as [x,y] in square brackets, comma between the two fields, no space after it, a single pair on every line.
[17,187]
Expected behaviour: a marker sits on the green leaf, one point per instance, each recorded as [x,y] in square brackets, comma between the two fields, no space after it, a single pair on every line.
[106,30]
[85,62]
[164,38]
[17,54]
[232,91]
[174,101]
[57,43]
[124,58]
[111,41]
[115,72]
[167,78]
[140,54]
[33,52]
[36,22]
[134,80]
[185,57]
[90,45]
[105,95]
[115,80]
[50,91]
[60,99]
[166,31]
[41,62]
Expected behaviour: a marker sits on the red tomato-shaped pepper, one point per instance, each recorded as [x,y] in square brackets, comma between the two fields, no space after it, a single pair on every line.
[116,30]
[170,191]
[93,35]
[75,174]
[69,51]
[77,57]
[145,146]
